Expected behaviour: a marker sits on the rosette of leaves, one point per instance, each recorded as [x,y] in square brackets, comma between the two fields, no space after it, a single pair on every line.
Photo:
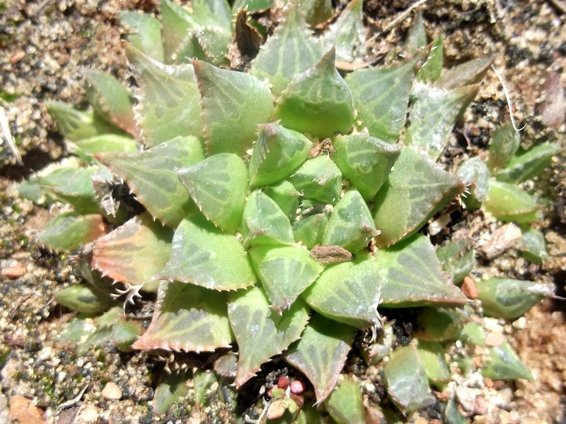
[275,210]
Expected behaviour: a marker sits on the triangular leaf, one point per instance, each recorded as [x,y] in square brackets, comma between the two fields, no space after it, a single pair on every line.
[316,11]
[151,176]
[207,258]
[69,231]
[475,175]
[264,222]
[171,390]
[347,34]
[351,224]
[289,51]
[466,73]
[415,190]
[218,185]
[77,124]
[134,252]
[286,196]
[348,293]
[433,115]
[432,68]
[503,144]
[168,99]
[144,32]
[318,101]
[106,143]
[507,202]
[233,104]
[285,272]
[345,404]
[176,22]
[277,153]
[187,318]
[111,100]
[505,364]
[365,161]
[431,355]
[261,332]
[318,179]
[309,230]
[72,185]
[381,97]
[529,164]
[412,275]
[84,299]
[406,380]
[416,37]
[252,5]
[321,352]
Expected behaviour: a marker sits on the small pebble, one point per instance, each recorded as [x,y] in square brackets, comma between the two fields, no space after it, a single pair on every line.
[111,391]
[494,339]
[469,288]
[14,271]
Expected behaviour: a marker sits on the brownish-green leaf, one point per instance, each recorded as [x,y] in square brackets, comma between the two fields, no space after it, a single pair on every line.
[412,275]
[321,352]
[134,252]
[261,332]
[205,257]
[187,318]
[470,72]
[316,11]
[69,231]
[415,190]
[233,104]
[381,97]
[503,144]
[318,101]
[151,176]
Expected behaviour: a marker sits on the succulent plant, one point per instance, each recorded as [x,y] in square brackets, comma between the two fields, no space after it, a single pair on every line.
[278,210]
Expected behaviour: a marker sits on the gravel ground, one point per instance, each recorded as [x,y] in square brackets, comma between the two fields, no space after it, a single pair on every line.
[47,45]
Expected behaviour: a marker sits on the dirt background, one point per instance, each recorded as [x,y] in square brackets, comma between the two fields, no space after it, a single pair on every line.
[45,46]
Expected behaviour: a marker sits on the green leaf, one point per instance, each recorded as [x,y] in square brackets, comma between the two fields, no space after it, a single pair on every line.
[218,185]
[288,52]
[508,298]
[439,324]
[107,143]
[284,272]
[470,72]
[452,415]
[277,153]
[381,97]
[207,258]
[318,101]
[316,11]
[347,33]
[348,293]
[458,258]
[431,355]
[264,222]
[170,391]
[365,161]
[529,164]
[215,12]
[433,115]
[151,176]
[286,196]
[318,179]
[260,331]
[473,334]
[134,252]
[144,33]
[412,276]
[415,190]
[77,124]
[310,229]
[187,318]
[213,42]
[345,404]
[533,246]
[84,299]
[504,364]
[475,175]
[406,380]
[252,5]
[432,68]
[351,224]
[504,143]
[176,24]
[111,100]
[72,185]
[416,37]
[169,99]
[507,202]
[233,104]
[321,352]
[69,231]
